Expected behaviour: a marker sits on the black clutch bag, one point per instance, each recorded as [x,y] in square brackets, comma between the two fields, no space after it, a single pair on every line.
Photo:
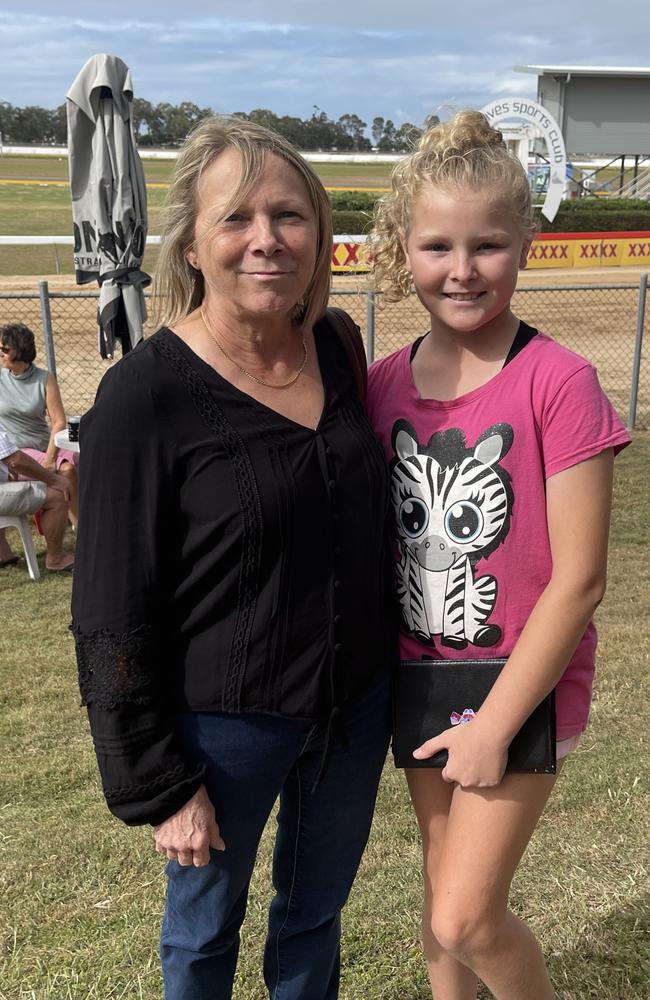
[430,696]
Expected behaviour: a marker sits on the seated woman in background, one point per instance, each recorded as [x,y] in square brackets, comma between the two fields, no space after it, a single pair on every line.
[41,490]
[29,396]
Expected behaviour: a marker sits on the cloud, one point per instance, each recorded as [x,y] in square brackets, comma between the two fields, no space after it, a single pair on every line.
[420,15]
[520,41]
[513,86]
[401,61]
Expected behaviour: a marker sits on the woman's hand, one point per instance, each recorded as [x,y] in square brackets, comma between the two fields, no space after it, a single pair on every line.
[477,759]
[49,462]
[188,835]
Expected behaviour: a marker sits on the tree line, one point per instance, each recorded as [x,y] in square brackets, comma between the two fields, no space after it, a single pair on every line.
[167,124]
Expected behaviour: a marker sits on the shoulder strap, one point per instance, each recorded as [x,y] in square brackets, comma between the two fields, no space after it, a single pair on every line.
[350,337]
[523,336]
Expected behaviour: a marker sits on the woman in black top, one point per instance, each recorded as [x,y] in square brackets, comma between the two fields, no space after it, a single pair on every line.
[229,591]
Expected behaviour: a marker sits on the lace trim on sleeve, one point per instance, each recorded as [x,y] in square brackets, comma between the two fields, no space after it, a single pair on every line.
[115,668]
[116,794]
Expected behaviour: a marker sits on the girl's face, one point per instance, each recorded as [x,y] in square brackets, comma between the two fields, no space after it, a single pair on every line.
[464,251]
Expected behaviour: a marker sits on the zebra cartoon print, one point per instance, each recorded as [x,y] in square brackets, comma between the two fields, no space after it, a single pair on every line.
[452,507]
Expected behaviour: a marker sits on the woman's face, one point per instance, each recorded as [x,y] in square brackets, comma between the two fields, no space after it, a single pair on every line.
[7,355]
[260,259]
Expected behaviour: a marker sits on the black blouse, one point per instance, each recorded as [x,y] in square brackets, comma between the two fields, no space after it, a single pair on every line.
[228,559]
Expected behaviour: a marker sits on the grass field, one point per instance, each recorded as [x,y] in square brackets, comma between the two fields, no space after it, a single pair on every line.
[45,210]
[38,208]
[55,168]
[35,201]
[82,894]
[19,167]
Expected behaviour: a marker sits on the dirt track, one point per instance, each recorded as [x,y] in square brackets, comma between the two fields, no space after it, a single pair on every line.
[536,276]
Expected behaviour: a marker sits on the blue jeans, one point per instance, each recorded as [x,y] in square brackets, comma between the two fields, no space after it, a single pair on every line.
[320,838]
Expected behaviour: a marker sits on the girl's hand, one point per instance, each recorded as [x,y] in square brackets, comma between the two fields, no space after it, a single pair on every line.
[49,462]
[188,835]
[477,759]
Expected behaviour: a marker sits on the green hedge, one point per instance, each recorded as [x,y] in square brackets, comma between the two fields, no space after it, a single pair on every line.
[594,219]
[351,223]
[588,215]
[606,205]
[354,201]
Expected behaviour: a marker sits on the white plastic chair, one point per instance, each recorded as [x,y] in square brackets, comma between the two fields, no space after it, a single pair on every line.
[23,527]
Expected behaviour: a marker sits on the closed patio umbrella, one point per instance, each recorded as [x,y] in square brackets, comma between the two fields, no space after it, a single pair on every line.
[109,199]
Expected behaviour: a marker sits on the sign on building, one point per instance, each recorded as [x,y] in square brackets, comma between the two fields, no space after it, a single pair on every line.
[522,109]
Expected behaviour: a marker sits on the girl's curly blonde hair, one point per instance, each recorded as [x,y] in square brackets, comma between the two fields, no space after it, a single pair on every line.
[465,152]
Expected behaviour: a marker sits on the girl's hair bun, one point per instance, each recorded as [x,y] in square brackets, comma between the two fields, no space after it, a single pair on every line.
[466,130]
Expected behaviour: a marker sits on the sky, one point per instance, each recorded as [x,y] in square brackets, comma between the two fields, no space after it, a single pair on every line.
[402,60]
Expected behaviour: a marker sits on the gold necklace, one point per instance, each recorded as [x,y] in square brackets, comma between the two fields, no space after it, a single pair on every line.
[260,381]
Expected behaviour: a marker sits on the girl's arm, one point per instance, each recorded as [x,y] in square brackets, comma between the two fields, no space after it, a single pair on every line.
[578,503]
[56,414]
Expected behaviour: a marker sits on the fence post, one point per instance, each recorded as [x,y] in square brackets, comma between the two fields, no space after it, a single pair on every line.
[370,325]
[638,344]
[46,320]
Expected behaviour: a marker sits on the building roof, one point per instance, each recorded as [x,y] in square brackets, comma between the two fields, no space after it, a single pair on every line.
[587,70]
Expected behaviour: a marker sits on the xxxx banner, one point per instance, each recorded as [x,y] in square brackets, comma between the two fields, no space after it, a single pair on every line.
[547,250]
[590,250]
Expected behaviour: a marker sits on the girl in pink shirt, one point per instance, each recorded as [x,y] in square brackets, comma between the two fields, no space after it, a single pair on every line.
[501,445]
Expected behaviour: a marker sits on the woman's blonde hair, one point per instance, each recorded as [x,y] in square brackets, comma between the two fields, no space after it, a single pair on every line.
[465,152]
[178,287]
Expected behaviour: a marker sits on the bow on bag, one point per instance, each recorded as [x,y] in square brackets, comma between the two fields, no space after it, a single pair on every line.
[459,720]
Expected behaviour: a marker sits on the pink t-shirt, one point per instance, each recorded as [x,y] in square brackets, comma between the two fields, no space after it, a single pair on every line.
[468,493]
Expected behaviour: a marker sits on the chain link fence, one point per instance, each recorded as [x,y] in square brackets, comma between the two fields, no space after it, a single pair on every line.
[603,323]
